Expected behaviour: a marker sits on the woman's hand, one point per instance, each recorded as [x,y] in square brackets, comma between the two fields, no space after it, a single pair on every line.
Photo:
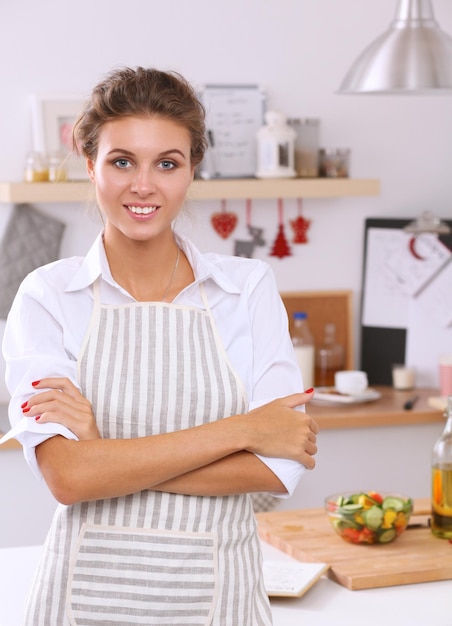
[279,430]
[64,404]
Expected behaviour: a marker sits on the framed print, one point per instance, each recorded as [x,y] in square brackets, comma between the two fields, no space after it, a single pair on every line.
[234,114]
[52,120]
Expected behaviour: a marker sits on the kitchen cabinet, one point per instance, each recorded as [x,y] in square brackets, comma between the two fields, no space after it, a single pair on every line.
[80,191]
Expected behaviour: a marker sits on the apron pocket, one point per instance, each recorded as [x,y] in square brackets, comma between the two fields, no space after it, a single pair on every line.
[131,576]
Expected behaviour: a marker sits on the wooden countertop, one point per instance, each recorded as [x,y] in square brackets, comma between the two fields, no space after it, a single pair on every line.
[386,411]
[414,557]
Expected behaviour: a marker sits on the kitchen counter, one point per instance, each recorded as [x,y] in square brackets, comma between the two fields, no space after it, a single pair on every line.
[386,411]
[325,604]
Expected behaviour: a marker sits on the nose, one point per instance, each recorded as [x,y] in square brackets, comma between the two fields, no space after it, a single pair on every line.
[143,182]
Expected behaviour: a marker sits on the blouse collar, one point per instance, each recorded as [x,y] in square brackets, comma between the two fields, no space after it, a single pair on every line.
[205,266]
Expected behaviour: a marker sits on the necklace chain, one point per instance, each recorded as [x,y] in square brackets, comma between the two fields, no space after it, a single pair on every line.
[172,275]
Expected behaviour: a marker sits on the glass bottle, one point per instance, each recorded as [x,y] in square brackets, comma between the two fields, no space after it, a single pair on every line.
[303,343]
[329,358]
[442,480]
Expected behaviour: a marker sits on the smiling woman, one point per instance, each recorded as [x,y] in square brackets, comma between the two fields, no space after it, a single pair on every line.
[147,400]
[142,173]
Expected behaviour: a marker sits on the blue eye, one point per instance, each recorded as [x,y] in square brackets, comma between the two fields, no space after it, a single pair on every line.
[122,163]
[167,165]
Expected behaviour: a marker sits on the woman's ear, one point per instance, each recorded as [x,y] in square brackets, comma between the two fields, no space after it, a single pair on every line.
[90,169]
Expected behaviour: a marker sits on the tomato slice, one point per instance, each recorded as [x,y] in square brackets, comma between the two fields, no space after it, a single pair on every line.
[375,496]
[351,534]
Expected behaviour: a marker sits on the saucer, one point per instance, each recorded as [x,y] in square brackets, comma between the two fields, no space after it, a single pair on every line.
[329,395]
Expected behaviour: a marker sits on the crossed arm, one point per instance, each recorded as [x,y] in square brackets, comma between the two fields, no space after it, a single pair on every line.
[213,459]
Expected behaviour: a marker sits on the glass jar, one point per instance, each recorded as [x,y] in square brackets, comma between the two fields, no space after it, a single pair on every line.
[334,163]
[306,146]
[57,168]
[36,169]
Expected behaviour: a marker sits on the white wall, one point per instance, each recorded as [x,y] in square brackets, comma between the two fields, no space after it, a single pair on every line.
[298,50]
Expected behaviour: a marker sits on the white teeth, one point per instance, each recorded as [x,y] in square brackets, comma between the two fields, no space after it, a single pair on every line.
[142,210]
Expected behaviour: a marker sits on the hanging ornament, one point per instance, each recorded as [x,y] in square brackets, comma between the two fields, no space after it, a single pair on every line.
[300,226]
[245,248]
[224,222]
[280,246]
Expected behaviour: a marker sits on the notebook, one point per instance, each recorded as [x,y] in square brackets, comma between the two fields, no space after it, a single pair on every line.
[291,578]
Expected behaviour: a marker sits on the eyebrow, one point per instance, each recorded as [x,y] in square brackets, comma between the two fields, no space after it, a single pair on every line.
[162,154]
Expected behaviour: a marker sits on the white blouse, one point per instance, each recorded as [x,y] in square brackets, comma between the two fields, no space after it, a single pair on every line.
[51,312]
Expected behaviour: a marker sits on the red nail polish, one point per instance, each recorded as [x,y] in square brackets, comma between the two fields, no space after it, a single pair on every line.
[38,417]
[26,409]
[23,405]
[35,382]
[310,390]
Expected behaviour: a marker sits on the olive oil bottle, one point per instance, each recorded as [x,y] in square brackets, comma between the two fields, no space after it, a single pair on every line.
[442,480]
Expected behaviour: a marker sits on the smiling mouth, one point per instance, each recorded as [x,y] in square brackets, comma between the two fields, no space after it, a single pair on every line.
[141,210]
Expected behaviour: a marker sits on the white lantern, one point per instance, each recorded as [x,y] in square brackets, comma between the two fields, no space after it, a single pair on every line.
[275,147]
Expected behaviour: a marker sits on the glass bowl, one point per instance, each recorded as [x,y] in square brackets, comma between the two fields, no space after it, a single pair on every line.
[368,517]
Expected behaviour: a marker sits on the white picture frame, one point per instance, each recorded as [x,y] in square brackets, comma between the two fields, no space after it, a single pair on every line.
[52,122]
[234,114]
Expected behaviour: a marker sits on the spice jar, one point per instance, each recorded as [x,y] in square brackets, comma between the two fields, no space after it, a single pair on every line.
[57,168]
[306,146]
[36,169]
[334,163]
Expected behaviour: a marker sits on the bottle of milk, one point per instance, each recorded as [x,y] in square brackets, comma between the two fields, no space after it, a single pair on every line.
[303,343]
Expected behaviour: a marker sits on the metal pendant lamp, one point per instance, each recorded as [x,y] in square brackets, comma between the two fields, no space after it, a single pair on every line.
[414,56]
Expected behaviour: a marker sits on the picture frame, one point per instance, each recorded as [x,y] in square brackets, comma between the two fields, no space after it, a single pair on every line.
[52,122]
[234,114]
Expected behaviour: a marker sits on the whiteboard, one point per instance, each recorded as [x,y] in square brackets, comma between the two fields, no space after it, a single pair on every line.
[234,114]
[405,314]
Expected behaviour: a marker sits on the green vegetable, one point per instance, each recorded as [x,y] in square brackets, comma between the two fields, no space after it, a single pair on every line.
[369,517]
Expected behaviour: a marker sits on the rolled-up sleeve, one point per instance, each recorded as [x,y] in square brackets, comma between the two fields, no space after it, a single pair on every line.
[275,370]
[33,349]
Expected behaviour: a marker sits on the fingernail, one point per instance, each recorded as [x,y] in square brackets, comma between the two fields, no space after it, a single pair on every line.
[23,405]
[310,390]
[38,417]
[35,382]
[25,409]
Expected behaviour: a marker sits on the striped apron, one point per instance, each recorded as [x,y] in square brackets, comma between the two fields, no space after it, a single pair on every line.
[150,557]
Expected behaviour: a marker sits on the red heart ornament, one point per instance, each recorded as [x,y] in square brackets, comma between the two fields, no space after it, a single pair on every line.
[224,223]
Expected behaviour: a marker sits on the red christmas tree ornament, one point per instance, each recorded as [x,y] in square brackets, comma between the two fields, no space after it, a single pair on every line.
[280,246]
[224,222]
[300,226]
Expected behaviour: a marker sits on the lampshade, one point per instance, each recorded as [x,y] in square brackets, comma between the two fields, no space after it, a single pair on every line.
[414,56]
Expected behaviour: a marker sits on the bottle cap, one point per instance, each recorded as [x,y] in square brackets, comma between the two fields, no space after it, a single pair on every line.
[300,315]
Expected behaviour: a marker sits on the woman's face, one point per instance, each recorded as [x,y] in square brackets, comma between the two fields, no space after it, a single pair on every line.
[141,174]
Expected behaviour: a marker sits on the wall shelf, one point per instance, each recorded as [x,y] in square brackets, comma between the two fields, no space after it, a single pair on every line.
[81,191]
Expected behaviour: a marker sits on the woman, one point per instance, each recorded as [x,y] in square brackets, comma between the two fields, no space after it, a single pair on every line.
[157,385]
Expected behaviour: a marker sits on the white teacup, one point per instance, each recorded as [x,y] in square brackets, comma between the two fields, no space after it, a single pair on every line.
[352,382]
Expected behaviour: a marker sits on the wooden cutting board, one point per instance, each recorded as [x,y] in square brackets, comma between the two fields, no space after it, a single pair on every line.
[414,557]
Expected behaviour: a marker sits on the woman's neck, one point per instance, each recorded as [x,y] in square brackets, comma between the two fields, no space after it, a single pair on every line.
[148,270]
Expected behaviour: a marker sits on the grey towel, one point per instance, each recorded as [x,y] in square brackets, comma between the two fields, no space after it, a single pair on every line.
[31,239]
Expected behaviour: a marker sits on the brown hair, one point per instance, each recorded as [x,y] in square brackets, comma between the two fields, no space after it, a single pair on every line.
[131,92]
